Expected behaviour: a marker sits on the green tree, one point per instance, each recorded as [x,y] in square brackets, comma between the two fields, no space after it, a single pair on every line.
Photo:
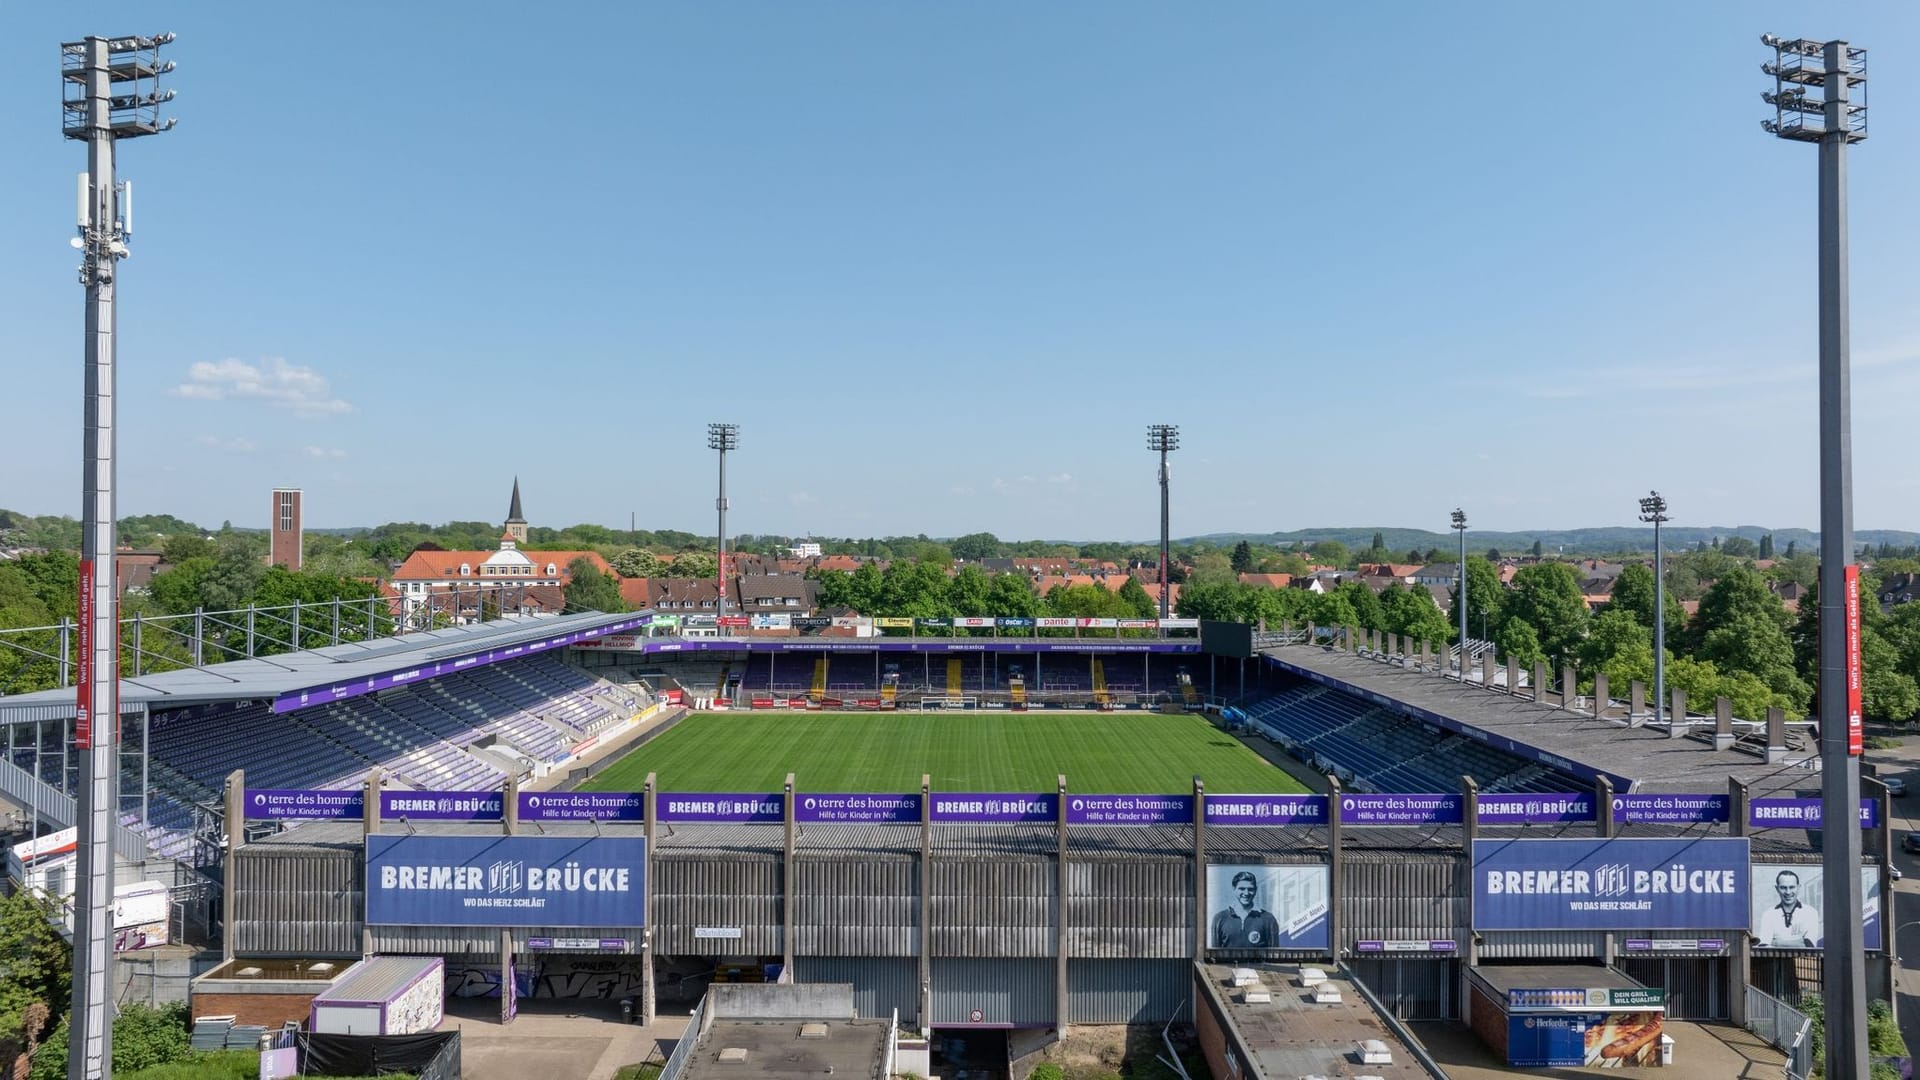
[143,1037]
[1518,640]
[1614,635]
[1411,613]
[1138,602]
[36,963]
[968,592]
[636,562]
[1367,612]
[974,547]
[1547,596]
[1379,542]
[1742,626]
[1242,558]
[232,580]
[590,590]
[1633,594]
[1333,553]
[183,546]
[1538,549]
[1486,600]
[1012,595]
[1766,546]
[694,564]
[1739,547]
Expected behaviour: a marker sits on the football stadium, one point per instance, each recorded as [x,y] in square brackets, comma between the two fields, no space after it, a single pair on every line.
[1000,838]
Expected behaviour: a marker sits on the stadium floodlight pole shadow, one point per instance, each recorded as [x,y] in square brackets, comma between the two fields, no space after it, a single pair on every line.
[722,437]
[1164,438]
[1460,526]
[110,90]
[1812,102]
[1653,508]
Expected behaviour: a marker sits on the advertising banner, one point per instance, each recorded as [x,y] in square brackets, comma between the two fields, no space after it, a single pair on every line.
[1179,624]
[772,622]
[83,684]
[1802,813]
[1606,1040]
[1674,944]
[973,620]
[727,808]
[582,806]
[1400,809]
[303,804]
[857,809]
[1620,883]
[1267,907]
[995,809]
[1130,810]
[1055,622]
[1671,809]
[1139,624]
[1786,906]
[1407,946]
[733,621]
[442,805]
[419,880]
[1519,809]
[1266,810]
[932,623]
[140,916]
[892,622]
[1100,624]
[1856,730]
[812,622]
[1014,622]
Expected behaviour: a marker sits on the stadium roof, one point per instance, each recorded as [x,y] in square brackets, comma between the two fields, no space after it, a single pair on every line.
[270,677]
[1655,762]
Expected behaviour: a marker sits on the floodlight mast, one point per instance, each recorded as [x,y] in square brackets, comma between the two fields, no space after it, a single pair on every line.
[110,91]
[1460,526]
[1812,100]
[1164,438]
[722,437]
[1653,508]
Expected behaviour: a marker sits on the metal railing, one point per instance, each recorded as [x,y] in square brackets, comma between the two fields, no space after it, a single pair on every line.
[1785,1027]
[683,1050]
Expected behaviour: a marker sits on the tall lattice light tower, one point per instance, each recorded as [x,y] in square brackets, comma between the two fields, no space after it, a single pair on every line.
[1653,509]
[1460,526]
[1812,99]
[1164,438]
[722,437]
[110,90]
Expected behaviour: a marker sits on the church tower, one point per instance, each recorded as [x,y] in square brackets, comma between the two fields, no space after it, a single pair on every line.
[516,522]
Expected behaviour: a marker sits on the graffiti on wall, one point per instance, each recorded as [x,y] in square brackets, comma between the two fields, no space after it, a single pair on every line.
[606,978]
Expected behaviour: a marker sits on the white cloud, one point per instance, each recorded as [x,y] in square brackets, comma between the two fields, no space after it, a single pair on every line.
[801,498]
[235,445]
[326,453]
[1060,478]
[294,387]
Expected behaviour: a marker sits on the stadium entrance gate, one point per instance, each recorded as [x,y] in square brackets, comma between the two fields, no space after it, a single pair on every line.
[1410,987]
[1694,985]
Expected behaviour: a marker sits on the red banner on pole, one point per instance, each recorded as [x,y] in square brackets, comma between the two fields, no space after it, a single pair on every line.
[1856,728]
[83,688]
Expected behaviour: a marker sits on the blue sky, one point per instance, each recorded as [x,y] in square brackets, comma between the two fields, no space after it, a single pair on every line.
[944,263]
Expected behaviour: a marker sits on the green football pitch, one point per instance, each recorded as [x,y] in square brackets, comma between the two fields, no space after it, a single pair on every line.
[1115,753]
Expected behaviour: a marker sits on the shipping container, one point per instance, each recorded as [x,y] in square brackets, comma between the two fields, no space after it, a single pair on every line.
[383,995]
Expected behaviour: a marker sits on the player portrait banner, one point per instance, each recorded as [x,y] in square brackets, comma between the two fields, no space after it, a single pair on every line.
[1266,810]
[1610,884]
[442,805]
[1252,906]
[582,806]
[1786,906]
[725,808]
[1130,810]
[305,804]
[558,881]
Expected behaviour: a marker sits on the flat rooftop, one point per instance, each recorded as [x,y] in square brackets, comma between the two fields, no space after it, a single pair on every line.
[1505,977]
[775,1050]
[1657,763]
[1294,1036]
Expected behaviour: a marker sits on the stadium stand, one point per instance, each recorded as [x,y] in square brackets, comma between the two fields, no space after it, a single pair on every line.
[1377,749]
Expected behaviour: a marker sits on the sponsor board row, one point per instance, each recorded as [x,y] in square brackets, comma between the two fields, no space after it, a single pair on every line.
[1016,807]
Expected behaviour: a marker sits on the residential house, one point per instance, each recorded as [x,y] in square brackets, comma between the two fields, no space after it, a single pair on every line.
[137,568]
[681,596]
[1897,589]
[1404,571]
[1445,573]
[1791,593]
[427,573]
[776,594]
[1267,581]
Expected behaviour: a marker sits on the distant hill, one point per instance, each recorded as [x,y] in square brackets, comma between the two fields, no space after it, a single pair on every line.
[1597,540]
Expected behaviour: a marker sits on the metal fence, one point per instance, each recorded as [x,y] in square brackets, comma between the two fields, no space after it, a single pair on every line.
[1785,1027]
[683,1050]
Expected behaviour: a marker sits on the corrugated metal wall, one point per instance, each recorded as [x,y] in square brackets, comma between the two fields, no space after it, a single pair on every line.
[1543,945]
[880,984]
[297,901]
[993,908]
[690,893]
[1696,986]
[1422,989]
[1101,991]
[845,907]
[1406,896]
[1130,909]
[1002,991]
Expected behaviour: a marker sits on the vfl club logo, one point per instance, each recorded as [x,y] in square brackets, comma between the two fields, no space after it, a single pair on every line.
[1611,880]
[1253,937]
[506,876]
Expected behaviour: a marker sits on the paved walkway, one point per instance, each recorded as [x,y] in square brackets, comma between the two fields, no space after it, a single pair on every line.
[575,1040]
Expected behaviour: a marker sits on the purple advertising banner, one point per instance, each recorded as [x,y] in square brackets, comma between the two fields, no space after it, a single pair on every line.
[1266,809]
[857,809]
[340,691]
[730,808]
[306,804]
[1404,946]
[994,808]
[1130,810]
[1670,809]
[1513,808]
[582,806]
[1801,813]
[1358,809]
[441,805]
